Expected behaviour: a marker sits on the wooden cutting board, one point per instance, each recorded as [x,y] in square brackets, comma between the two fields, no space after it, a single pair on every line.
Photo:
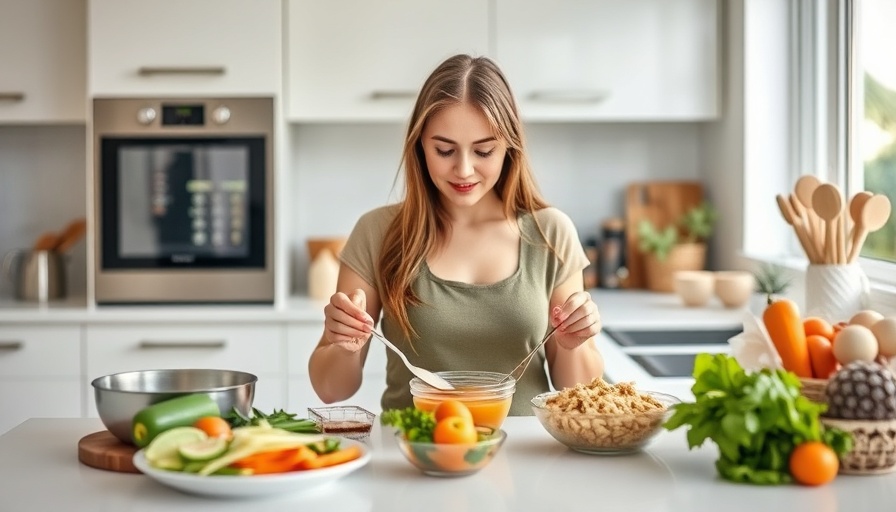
[102,450]
[661,202]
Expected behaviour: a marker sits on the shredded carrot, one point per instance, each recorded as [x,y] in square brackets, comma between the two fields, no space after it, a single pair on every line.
[330,459]
[279,461]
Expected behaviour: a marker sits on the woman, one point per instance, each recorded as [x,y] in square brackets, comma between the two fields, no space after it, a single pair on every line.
[473,267]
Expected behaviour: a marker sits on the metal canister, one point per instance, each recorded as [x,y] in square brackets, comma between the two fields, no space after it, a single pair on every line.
[611,260]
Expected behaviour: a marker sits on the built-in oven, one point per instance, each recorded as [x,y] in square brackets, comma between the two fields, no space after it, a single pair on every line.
[184,200]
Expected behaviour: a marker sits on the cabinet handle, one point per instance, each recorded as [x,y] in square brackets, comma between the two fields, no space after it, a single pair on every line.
[569,96]
[12,96]
[392,95]
[182,70]
[11,345]
[151,344]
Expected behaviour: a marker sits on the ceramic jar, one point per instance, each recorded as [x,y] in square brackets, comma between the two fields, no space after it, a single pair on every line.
[836,292]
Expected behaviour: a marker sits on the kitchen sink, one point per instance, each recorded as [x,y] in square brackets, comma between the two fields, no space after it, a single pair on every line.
[670,352]
[655,337]
[666,365]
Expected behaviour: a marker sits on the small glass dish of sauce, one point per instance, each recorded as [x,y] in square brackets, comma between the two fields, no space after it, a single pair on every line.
[348,421]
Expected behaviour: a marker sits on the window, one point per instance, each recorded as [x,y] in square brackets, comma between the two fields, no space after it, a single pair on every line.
[870,126]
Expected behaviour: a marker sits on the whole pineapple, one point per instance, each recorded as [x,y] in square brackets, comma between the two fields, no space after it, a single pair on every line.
[862,391]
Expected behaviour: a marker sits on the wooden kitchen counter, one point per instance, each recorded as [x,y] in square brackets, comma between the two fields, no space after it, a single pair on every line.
[40,471]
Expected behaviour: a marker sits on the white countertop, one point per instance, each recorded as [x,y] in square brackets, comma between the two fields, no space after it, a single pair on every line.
[40,471]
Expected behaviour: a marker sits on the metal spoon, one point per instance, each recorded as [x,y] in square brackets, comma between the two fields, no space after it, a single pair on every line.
[424,375]
[517,372]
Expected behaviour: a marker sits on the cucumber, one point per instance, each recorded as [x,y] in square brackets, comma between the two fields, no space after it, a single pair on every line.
[203,451]
[177,412]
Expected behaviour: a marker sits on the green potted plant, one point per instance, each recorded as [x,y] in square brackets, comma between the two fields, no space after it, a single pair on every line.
[680,246]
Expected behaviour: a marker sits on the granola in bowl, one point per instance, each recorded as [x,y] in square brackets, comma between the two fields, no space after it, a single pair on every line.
[603,418]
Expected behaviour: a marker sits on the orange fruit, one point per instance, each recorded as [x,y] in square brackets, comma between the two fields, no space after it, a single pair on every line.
[450,408]
[214,426]
[455,430]
[815,325]
[813,463]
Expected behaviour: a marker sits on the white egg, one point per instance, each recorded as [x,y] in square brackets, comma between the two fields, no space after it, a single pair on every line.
[855,343]
[885,332]
[866,318]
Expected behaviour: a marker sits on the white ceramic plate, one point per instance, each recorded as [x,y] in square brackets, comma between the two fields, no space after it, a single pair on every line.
[246,486]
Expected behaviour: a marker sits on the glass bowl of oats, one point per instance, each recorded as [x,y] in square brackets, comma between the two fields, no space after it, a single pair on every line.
[602,418]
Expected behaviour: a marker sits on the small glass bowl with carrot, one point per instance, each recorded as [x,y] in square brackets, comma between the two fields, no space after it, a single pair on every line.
[486,394]
[437,459]
[444,441]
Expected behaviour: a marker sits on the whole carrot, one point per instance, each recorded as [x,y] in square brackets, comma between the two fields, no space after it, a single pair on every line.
[821,355]
[785,327]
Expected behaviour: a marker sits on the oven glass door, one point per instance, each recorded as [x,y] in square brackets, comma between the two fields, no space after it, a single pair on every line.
[183,202]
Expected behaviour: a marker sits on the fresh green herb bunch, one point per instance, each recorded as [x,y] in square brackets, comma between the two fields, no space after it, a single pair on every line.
[698,222]
[650,239]
[279,419]
[414,424]
[756,419]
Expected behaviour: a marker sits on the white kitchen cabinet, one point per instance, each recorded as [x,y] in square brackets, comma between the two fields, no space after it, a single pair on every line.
[638,60]
[301,340]
[254,348]
[356,60]
[184,47]
[40,372]
[43,77]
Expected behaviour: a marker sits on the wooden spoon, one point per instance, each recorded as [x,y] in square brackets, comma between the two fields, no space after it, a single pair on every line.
[45,242]
[812,240]
[856,204]
[828,204]
[804,189]
[72,233]
[794,220]
[874,215]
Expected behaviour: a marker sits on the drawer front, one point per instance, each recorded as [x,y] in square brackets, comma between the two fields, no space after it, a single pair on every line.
[45,351]
[302,338]
[24,399]
[256,349]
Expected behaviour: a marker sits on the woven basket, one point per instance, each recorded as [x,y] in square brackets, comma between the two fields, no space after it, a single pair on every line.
[813,389]
[874,445]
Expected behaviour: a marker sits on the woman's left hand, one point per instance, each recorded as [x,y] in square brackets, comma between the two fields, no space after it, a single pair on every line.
[578,320]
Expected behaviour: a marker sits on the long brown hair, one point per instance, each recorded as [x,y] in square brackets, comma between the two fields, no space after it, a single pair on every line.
[422,220]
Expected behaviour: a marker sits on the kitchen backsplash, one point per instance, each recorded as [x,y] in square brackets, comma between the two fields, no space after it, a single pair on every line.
[339,171]
[43,186]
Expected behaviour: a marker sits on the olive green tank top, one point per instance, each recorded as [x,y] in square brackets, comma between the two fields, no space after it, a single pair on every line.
[465,326]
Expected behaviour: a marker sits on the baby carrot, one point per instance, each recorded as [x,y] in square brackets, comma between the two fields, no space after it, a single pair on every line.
[785,327]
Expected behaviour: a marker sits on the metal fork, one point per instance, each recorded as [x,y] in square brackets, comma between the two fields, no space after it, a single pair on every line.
[517,372]
[425,375]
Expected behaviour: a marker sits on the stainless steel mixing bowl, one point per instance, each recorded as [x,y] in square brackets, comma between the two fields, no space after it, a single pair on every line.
[122,395]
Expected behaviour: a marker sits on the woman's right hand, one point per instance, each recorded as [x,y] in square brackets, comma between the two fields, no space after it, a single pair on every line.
[347,322]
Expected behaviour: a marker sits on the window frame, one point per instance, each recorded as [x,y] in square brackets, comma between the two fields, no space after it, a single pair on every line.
[828,101]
